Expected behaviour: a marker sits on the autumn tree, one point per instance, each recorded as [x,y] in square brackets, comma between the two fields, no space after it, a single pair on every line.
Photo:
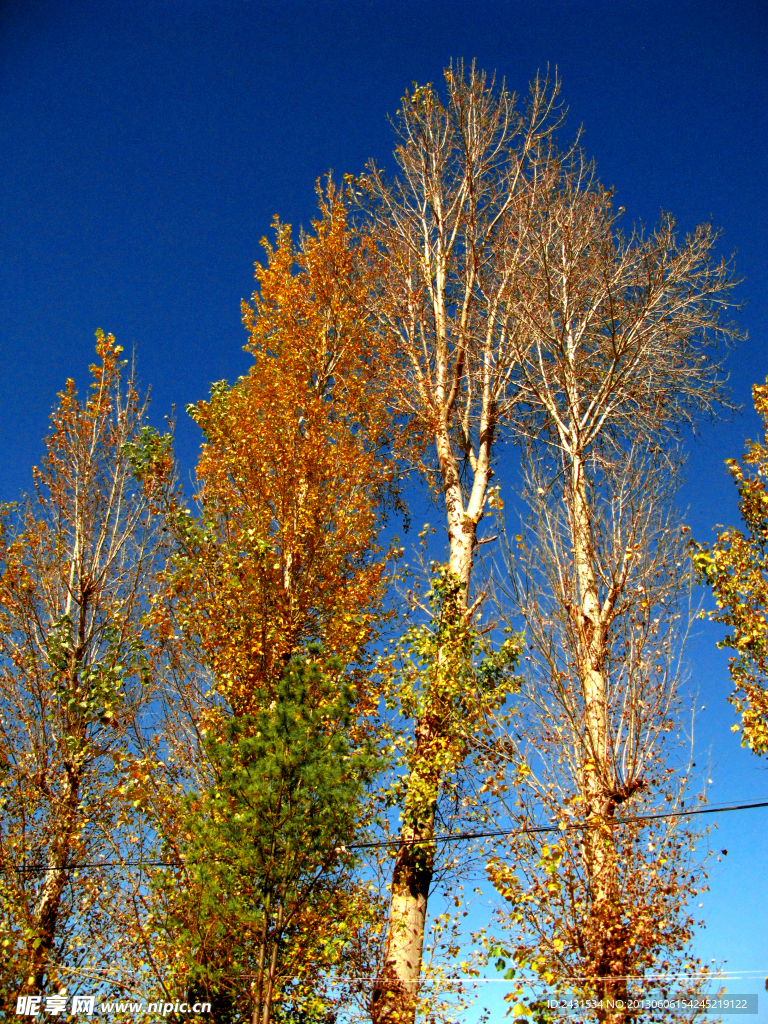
[602,901]
[293,475]
[77,565]
[613,342]
[283,554]
[736,568]
[448,232]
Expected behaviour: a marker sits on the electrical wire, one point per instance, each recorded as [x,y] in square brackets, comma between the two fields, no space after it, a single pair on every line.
[553,828]
[445,838]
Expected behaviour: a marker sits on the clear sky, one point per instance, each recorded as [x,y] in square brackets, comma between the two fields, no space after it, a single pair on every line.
[145,146]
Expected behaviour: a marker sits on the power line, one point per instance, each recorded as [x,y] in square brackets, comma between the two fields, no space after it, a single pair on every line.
[445,838]
[553,828]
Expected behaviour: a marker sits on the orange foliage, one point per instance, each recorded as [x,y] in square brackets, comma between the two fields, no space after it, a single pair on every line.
[292,475]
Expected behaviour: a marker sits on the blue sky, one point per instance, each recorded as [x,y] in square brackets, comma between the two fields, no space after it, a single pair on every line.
[145,146]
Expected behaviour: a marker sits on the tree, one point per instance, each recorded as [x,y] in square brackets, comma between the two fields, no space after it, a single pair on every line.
[77,567]
[448,234]
[602,901]
[736,568]
[612,361]
[266,891]
[293,476]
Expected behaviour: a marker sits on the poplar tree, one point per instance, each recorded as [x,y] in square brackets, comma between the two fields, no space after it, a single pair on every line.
[78,565]
[615,358]
[449,232]
[282,554]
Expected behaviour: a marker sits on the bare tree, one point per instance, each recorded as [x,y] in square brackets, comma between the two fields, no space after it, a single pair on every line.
[614,361]
[599,902]
[450,235]
[77,567]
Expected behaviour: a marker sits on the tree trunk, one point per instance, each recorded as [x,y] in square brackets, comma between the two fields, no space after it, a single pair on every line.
[46,910]
[395,994]
[278,934]
[259,983]
[597,778]
[396,990]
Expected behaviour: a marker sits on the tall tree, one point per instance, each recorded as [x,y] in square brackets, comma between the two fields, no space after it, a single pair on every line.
[284,553]
[77,569]
[449,234]
[293,474]
[736,568]
[613,360]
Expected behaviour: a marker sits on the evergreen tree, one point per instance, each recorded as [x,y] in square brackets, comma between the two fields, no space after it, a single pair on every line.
[265,852]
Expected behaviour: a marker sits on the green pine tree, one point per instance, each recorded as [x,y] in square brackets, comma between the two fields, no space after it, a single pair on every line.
[272,902]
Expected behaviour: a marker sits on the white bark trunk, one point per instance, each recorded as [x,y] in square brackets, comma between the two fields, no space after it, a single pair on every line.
[396,992]
[597,777]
